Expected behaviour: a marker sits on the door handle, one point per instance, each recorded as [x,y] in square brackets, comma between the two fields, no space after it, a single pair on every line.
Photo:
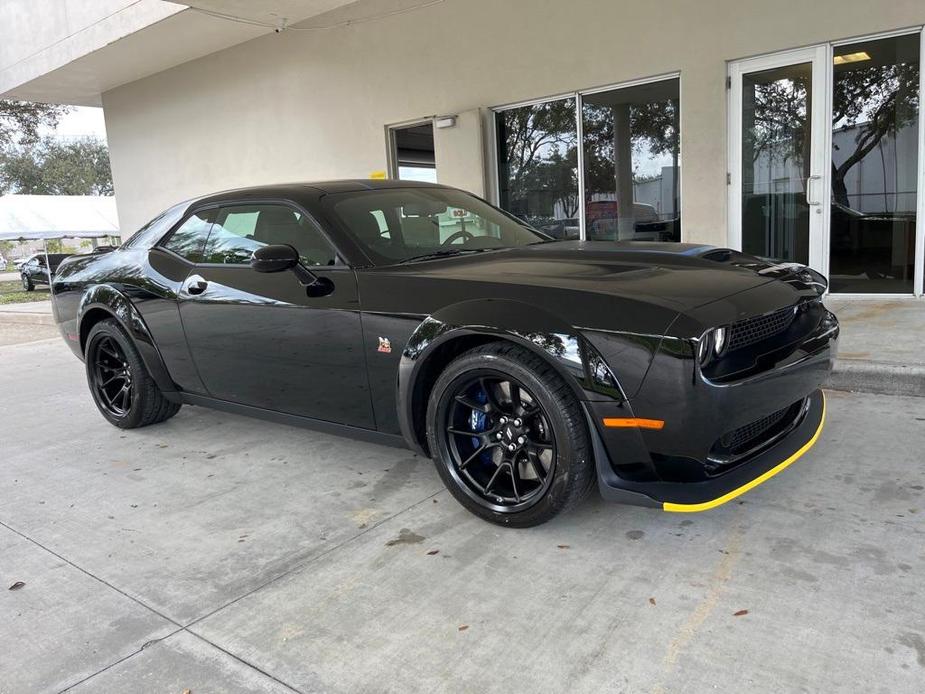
[809,181]
[195,285]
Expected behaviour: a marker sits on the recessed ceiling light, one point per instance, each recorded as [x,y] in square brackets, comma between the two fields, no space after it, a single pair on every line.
[851,57]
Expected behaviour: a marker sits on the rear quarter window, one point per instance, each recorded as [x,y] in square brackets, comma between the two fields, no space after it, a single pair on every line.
[153,231]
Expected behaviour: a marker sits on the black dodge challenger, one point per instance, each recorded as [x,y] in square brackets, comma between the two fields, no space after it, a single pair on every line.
[671,375]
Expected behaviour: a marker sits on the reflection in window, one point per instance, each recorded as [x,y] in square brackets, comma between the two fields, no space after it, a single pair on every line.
[190,237]
[776,142]
[396,225]
[242,229]
[875,121]
[632,151]
[538,166]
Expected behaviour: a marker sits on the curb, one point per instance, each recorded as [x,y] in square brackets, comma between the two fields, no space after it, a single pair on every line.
[21,317]
[877,377]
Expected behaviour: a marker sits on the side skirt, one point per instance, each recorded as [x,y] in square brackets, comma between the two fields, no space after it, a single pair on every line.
[295,420]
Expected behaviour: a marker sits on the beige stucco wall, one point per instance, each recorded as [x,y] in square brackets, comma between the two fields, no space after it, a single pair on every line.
[313,105]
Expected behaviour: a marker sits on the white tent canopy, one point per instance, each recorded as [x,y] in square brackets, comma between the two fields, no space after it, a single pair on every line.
[28,217]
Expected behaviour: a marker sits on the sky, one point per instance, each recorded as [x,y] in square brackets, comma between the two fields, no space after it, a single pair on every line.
[82,121]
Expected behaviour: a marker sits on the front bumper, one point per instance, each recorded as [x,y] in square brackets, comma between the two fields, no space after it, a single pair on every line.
[692,462]
[688,497]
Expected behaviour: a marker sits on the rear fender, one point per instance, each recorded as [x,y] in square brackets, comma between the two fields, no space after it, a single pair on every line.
[108,299]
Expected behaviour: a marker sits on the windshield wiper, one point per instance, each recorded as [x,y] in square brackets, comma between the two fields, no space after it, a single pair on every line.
[445,254]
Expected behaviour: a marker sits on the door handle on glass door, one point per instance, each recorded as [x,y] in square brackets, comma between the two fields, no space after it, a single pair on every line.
[195,285]
[809,181]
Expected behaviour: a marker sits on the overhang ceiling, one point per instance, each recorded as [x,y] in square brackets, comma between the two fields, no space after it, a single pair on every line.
[141,40]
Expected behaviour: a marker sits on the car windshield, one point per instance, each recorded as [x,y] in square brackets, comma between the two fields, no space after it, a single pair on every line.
[409,224]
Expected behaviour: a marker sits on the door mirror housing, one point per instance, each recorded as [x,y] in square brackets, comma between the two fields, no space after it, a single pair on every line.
[280,257]
[275,258]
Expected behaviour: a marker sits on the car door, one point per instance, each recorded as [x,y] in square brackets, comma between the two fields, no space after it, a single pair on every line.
[36,270]
[260,339]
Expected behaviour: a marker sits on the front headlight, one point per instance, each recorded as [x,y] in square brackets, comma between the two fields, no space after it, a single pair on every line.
[719,341]
[703,349]
[712,344]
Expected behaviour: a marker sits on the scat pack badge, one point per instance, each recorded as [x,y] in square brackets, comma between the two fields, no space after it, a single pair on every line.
[385,345]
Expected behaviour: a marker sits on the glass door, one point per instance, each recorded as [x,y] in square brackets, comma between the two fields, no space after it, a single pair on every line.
[874,166]
[777,171]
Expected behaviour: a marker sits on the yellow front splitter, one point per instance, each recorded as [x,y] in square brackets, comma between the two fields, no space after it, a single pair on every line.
[719,501]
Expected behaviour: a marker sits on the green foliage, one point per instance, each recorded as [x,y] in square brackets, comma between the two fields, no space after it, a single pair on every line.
[20,121]
[50,167]
[12,292]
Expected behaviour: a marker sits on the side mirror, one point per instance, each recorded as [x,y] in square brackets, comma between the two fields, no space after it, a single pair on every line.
[280,257]
[275,258]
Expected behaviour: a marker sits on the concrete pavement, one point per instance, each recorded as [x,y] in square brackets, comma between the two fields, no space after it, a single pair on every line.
[881,345]
[28,322]
[224,554]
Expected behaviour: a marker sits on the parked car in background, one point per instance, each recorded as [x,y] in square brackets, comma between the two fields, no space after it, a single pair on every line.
[531,370]
[33,270]
[562,229]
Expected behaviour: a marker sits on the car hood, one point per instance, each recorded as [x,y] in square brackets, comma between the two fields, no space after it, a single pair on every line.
[673,275]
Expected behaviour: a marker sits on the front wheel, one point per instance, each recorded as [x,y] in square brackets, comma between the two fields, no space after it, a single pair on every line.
[122,388]
[27,283]
[508,436]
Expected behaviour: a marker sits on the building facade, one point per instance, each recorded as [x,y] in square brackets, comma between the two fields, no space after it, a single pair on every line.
[790,130]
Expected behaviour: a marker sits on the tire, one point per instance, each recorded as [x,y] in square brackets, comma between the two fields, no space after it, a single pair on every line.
[27,283]
[115,367]
[466,446]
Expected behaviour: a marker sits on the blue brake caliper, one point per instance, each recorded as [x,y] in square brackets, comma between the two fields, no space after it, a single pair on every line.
[478,421]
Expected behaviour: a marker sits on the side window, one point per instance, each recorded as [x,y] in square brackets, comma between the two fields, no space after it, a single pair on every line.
[148,235]
[241,229]
[188,240]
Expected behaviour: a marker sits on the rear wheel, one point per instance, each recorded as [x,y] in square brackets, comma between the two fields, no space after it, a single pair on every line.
[27,283]
[508,436]
[122,388]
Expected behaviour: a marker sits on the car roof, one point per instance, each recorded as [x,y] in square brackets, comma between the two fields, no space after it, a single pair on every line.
[311,189]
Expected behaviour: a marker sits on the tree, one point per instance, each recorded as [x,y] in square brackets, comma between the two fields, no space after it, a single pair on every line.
[21,121]
[79,167]
[540,157]
[881,100]
[875,101]
[540,150]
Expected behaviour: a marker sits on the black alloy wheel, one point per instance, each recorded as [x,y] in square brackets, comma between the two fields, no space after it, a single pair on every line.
[501,443]
[508,436]
[112,377]
[122,388]
[27,283]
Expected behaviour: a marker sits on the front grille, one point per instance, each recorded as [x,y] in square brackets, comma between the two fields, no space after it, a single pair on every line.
[751,330]
[740,438]
[739,444]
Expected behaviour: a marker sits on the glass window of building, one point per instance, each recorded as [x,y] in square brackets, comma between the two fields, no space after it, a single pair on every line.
[875,122]
[631,140]
[538,165]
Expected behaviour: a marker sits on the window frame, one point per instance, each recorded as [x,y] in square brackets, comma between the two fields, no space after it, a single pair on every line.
[339,261]
[578,95]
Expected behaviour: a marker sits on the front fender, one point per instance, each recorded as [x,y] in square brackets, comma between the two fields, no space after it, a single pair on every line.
[104,298]
[543,333]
